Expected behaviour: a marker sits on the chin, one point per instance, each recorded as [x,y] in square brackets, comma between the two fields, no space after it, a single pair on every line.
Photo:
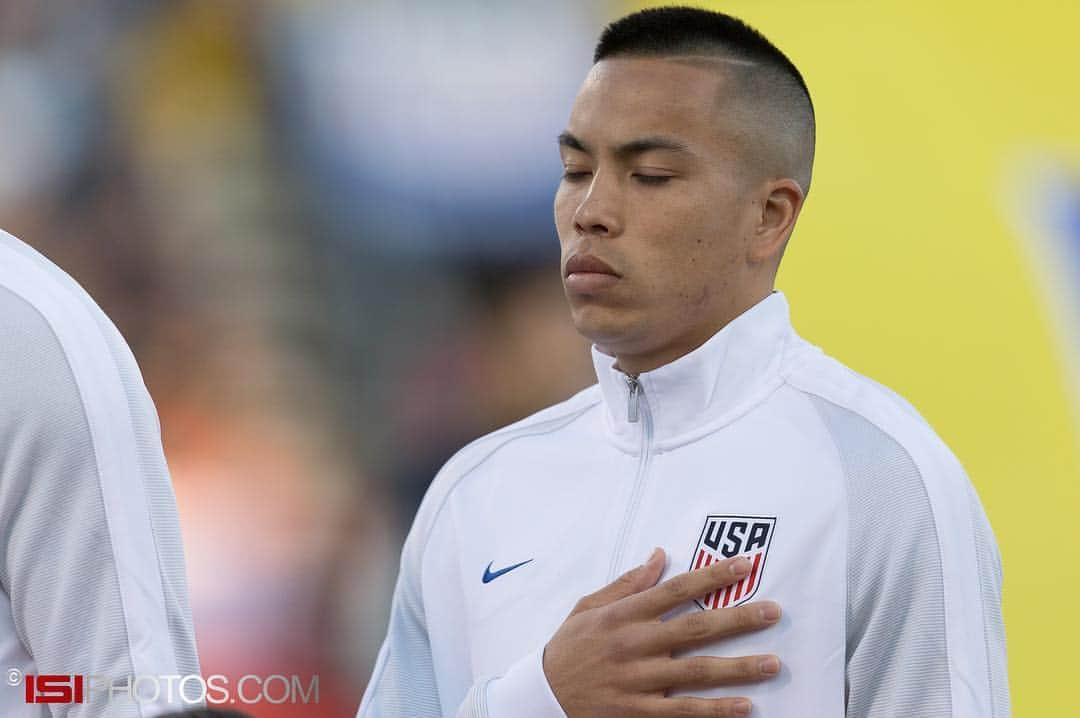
[606,326]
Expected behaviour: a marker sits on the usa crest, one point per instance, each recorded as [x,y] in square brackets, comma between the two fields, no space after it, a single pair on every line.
[726,537]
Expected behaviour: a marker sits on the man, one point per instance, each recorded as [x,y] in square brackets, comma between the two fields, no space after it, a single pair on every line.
[769,474]
[91,562]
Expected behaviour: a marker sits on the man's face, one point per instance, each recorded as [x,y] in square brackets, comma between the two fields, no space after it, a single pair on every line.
[654,188]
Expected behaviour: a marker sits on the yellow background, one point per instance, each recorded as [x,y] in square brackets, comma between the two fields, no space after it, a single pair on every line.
[905,264]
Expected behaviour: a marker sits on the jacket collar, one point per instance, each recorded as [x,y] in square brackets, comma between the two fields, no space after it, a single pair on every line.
[700,391]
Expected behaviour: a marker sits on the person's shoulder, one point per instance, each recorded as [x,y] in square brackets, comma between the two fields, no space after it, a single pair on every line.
[37,309]
[64,359]
[865,407]
[903,483]
[31,282]
[541,425]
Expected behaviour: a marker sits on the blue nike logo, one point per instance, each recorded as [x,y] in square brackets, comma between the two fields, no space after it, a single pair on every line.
[490,575]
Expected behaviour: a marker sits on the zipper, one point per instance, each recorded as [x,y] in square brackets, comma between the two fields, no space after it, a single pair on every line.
[637,408]
[633,400]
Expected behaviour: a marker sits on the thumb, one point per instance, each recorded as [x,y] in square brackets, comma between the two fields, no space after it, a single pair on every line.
[633,581]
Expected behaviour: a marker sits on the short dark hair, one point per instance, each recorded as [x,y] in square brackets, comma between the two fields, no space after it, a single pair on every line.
[766,78]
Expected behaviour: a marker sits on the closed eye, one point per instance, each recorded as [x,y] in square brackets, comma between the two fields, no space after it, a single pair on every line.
[652,179]
[575,175]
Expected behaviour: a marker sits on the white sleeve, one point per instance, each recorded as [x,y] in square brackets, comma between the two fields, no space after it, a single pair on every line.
[90,551]
[925,635]
[524,691]
[403,684]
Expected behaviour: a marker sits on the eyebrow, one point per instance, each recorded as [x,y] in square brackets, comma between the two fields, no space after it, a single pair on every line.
[628,149]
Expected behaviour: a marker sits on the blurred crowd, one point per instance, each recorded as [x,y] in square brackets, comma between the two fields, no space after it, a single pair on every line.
[325,230]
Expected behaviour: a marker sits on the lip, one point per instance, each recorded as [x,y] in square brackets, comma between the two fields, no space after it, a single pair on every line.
[588,264]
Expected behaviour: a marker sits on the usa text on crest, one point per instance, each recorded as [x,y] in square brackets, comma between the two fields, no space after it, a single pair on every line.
[725,537]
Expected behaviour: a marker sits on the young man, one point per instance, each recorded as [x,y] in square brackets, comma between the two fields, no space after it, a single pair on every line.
[92,584]
[769,474]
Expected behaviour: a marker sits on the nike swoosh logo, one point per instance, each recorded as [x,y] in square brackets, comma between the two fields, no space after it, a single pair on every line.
[490,575]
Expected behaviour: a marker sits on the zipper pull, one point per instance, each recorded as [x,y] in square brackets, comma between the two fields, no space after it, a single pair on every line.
[635,394]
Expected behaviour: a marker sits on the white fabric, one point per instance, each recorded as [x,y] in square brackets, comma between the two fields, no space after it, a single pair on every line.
[523,691]
[91,562]
[879,555]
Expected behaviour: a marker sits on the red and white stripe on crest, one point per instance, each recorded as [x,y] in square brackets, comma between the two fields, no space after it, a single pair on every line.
[728,595]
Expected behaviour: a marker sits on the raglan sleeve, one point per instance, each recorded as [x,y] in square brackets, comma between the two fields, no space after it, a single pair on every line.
[91,561]
[413,678]
[925,635]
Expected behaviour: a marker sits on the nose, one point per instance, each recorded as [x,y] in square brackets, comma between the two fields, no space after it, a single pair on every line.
[598,213]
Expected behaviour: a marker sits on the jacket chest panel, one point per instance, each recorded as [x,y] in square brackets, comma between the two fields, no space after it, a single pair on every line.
[545,533]
[561,518]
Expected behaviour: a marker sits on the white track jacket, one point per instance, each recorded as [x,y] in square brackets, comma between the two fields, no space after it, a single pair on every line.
[858,519]
[92,584]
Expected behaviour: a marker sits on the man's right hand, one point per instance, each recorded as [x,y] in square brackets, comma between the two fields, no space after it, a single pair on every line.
[612,656]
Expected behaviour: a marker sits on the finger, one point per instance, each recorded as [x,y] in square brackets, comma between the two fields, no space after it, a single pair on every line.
[707,671]
[687,707]
[700,627]
[633,581]
[677,590]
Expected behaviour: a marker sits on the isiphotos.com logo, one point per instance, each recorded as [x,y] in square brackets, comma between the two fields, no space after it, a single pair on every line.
[190,690]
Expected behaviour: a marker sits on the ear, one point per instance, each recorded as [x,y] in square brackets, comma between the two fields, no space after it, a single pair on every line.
[783,199]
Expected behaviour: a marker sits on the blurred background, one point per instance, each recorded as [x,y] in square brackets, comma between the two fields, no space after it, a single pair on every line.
[325,230]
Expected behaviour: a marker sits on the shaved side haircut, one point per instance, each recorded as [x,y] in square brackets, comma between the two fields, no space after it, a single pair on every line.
[764,101]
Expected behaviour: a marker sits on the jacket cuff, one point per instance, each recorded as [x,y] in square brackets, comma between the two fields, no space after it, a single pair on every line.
[523,691]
